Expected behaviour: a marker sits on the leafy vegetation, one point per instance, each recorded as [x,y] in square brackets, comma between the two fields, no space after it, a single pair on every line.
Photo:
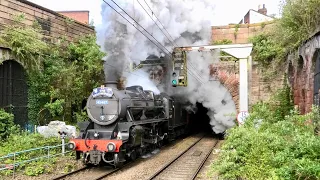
[275,143]
[7,125]
[266,50]
[21,141]
[300,19]
[61,72]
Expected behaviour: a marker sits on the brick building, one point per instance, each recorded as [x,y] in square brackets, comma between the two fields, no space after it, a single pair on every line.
[254,16]
[81,16]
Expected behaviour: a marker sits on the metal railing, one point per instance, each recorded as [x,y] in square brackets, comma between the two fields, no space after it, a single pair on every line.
[46,152]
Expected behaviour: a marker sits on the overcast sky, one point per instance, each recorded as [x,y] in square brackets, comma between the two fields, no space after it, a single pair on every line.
[226,11]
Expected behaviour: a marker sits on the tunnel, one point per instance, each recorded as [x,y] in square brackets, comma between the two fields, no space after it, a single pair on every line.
[199,122]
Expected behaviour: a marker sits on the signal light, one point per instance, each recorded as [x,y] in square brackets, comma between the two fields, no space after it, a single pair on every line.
[174,82]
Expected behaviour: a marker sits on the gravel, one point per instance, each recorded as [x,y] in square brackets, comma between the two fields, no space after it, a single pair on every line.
[144,168]
[206,167]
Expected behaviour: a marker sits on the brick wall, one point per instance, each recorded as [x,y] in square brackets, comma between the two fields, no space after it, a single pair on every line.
[240,34]
[81,16]
[52,22]
[301,80]
[260,89]
[228,75]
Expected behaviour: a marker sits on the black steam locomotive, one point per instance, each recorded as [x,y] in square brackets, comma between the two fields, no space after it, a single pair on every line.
[125,124]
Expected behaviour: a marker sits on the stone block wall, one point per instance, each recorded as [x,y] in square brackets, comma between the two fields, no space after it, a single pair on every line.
[260,88]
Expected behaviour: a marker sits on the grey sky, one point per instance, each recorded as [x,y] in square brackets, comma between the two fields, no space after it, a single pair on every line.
[226,11]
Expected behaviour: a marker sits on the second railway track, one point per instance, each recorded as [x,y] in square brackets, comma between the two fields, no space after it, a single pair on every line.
[188,164]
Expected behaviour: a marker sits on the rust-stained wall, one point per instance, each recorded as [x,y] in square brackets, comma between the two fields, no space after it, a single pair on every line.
[301,73]
[238,34]
[54,23]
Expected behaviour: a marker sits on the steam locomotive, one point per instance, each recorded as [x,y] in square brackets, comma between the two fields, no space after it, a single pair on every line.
[125,124]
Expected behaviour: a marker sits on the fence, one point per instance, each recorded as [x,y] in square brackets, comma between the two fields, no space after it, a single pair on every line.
[19,158]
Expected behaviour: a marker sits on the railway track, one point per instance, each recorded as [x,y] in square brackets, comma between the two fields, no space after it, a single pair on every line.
[95,173]
[187,164]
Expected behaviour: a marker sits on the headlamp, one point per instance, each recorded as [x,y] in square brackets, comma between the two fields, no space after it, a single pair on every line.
[72,145]
[111,147]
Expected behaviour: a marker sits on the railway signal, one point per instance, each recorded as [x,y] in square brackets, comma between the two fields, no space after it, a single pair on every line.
[179,75]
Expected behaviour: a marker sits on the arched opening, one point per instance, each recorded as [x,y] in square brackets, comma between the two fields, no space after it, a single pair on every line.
[14,91]
[200,121]
[316,80]
[300,63]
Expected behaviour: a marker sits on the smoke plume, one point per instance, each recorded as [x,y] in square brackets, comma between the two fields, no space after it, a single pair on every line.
[188,23]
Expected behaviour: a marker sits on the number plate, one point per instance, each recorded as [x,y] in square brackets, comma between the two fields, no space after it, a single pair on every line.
[101,102]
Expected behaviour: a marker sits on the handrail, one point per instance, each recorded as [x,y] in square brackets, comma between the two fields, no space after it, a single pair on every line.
[15,154]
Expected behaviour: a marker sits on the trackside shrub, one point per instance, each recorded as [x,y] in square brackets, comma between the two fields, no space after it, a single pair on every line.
[7,125]
[23,141]
[273,149]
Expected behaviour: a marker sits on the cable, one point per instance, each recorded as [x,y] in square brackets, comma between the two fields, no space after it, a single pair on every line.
[196,77]
[134,26]
[195,70]
[137,24]
[155,23]
[159,21]
[140,25]
[142,33]
[201,83]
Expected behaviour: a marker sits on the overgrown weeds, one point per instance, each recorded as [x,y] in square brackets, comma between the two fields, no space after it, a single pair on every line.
[276,142]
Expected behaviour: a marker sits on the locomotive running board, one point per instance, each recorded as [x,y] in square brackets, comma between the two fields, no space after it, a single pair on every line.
[148,121]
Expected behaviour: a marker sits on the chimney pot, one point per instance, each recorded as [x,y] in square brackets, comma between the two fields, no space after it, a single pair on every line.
[263,10]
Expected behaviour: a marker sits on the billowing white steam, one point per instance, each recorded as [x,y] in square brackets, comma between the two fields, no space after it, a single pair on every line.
[140,77]
[189,23]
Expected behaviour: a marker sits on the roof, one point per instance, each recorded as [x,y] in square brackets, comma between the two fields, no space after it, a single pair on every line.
[260,13]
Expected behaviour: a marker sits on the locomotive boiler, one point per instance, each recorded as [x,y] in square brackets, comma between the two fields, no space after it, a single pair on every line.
[124,124]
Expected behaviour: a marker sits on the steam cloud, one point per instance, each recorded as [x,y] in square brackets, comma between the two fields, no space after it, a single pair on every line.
[188,22]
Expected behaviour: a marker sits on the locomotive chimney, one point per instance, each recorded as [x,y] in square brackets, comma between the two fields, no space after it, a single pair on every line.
[112,77]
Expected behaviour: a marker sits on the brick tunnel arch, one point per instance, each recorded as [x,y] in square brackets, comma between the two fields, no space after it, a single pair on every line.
[229,79]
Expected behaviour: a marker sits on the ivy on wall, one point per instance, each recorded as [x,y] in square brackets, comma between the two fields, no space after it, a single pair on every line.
[60,75]
[299,20]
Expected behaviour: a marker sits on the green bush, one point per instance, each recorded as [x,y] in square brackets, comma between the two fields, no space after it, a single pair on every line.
[61,73]
[275,143]
[7,125]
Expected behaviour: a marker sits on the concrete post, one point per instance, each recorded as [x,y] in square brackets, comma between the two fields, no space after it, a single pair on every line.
[243,87]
